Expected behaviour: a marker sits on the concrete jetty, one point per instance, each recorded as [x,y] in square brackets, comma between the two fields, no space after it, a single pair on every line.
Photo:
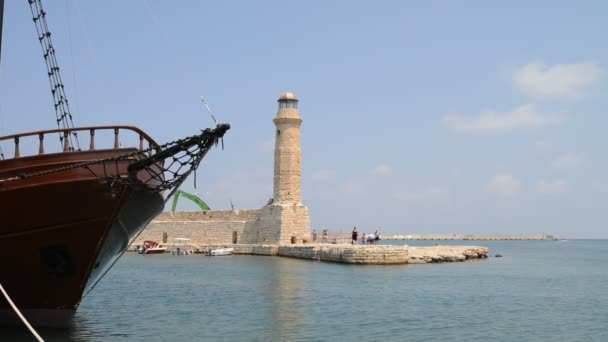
[362,255]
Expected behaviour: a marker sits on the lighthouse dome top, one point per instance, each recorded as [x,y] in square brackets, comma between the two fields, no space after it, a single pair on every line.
[288,100]
[288,96]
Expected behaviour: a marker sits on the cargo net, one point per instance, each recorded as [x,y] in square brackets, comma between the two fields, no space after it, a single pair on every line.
[173,162]
[155,169]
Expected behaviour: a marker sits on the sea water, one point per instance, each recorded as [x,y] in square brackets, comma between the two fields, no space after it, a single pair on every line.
[538,291]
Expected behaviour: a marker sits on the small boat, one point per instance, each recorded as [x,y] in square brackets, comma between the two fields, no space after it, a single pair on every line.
[220,251]
[151,247]
[182,246]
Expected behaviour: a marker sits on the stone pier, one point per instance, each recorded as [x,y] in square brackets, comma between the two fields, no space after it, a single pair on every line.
[382,255]
[363,255]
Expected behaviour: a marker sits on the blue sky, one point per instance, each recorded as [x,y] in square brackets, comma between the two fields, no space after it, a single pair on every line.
[419,117]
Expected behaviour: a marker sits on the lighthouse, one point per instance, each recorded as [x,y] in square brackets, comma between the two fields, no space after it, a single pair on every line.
[287,151]
[285,219]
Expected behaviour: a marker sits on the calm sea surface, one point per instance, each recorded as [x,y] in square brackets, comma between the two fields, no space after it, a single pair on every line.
[538,291]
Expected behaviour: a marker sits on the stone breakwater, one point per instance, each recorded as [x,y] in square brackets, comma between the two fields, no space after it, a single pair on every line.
[383,255]
[364,255]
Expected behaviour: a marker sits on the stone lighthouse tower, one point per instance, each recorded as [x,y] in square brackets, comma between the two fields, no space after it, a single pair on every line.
[287,152]
[294,222]
[285,219]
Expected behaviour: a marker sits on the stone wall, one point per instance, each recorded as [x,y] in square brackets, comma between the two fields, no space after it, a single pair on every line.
[273,224]
[295,224]
[279,223]
[208,215]
[265,229]
[202,227]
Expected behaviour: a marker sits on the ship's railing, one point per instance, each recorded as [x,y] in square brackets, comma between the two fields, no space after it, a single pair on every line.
[145,141]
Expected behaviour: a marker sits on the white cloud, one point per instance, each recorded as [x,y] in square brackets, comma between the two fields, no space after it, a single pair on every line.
[324,175]
[525,116]
[551,186]
[543,146]
[567,161]
[560,80]
[505,184]
[382,170]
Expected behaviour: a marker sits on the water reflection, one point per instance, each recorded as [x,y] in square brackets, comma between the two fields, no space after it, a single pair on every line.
[82,329]
[291,298]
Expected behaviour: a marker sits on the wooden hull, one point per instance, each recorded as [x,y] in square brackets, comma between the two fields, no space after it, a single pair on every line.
[60,232]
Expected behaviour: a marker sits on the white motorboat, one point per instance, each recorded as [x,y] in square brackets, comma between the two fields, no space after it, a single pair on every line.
[220,251]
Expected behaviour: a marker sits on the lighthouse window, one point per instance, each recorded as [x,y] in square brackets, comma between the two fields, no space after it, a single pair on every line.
[288,104]
[278,132]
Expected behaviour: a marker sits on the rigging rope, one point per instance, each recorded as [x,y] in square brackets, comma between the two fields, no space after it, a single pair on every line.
[62,108]
[1,99]
[1,128]
[69,26]
[23,319]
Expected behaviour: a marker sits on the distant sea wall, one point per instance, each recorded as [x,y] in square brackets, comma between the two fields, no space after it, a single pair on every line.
[346,237]
[465,237]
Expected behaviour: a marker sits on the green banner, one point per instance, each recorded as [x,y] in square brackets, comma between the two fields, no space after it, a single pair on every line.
[191,197]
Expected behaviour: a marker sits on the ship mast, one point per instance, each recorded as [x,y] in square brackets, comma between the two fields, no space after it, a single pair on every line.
[62,108]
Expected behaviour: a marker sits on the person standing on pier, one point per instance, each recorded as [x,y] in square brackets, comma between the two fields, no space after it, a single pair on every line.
[377,236]
[355,234]
[363,239]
